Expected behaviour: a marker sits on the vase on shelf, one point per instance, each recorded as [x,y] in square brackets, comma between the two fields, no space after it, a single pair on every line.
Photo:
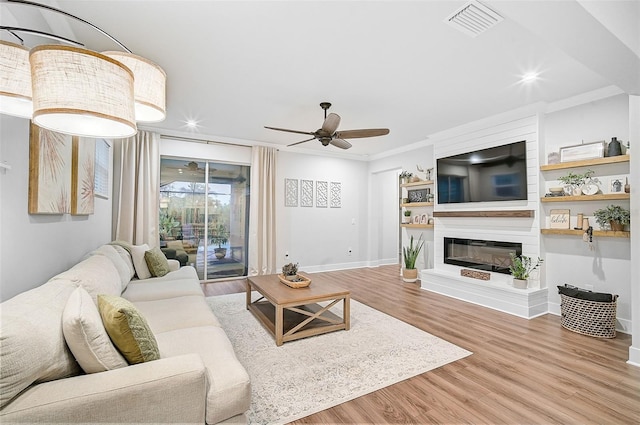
[616,226]
[615,148]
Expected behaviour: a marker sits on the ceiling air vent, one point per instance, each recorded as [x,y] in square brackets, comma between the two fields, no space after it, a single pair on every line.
[473,18]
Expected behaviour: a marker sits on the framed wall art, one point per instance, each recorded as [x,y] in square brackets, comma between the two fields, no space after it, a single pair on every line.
[290,192]
[49,171]
[83,157]
[559,219]
[581,152]
[322,194]
[306,193]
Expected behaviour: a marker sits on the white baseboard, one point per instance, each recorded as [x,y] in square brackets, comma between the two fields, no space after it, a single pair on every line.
[634,356]
[347,266]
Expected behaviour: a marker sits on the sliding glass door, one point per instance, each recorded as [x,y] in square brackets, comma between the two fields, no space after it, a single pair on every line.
[204,211]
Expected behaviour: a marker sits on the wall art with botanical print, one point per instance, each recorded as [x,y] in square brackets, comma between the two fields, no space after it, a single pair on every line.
[49,172]
[82,175]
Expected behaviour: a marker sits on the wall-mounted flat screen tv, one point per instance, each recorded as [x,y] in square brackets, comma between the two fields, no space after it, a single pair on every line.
[486,175]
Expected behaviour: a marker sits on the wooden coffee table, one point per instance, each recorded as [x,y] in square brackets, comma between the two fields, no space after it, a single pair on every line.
[291,314]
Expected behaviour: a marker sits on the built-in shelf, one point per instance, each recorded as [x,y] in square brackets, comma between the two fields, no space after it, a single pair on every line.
[417,226]
[420,183]
[417,204]
[587,198]
[602,233]
[585,163]
[492,213]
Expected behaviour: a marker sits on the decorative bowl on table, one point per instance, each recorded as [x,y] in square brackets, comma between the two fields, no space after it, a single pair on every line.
[295,281]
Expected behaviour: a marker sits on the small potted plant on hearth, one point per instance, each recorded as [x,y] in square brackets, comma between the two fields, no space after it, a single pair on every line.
[409,272]
[613,216]
[521,267]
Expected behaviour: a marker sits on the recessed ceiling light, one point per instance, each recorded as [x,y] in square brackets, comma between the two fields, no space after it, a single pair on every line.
[192,123]
[530,77]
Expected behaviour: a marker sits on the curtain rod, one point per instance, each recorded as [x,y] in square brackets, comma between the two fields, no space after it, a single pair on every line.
[212,142]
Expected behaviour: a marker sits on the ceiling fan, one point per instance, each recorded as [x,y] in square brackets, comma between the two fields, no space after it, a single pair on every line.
[327,134]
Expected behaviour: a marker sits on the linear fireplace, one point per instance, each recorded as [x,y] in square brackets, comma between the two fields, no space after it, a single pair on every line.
[479,254]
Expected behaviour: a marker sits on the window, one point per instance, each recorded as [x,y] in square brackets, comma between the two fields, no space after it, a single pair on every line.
[101,181]
[205,206]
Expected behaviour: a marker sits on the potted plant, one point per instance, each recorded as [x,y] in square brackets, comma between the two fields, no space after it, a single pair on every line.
[405,177]
[614,216]
[220,237]
[574,182]
[410,273]
[521,267]
[407,216]
[290,271]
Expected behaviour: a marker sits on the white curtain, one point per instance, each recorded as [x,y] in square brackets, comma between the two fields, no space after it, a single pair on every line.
[262,218]
[136,189]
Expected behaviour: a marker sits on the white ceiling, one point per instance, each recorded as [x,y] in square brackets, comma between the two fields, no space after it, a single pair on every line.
[236,66]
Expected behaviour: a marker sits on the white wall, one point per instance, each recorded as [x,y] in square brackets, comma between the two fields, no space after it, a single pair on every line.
[319,238]
[36,247]
[606,268]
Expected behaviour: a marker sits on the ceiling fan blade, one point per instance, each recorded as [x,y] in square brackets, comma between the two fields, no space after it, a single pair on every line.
[339,143]
[297,143]
[289,131]
[331,123]
[368,132]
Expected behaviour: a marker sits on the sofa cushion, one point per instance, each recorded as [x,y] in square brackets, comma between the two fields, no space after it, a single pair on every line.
[229,392]
[96,274]
[128,329]
[177,313]
[119,263]
[86,336]
[181,282]
[156,262]
[125,255]
[33,345]
[137,255]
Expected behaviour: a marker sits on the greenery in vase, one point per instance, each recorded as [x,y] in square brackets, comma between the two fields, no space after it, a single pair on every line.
[407,213]
[521,267]
[612,213]
[572,179]
[411,252]
[219,235]
[290,269]
[406,175]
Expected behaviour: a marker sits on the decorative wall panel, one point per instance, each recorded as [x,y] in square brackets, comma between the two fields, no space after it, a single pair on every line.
[290,192]
[336,195]
[306,193]
[321,194]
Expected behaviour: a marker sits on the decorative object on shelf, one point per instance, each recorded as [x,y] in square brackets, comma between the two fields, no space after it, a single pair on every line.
[416,219]
[559,219]
[587,236]
[573,182]
[417,195]
[423,219]
[553,158]
[557,191]
[614,148]
[407,217]
[585,223]
[220,236]
[427,172]
[613,216]
[579,222]
[414,179]
[291,278]
[582,151]
[627,151]
[431,221]
[405,200]
[405,177]
[627,188]
[521,268]
[616,184]
[411,252]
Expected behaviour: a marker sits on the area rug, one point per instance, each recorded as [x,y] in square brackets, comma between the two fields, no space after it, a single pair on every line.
[312,374]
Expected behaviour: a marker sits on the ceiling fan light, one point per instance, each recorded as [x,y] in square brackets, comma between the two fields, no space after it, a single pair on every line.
[149,86]
[81,92]
[15,80]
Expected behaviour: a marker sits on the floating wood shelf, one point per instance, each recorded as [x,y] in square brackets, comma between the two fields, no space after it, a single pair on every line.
[492,213]
[602,233]
[587,198]
[585,163]
[417,226]
[420,183]
[417,204]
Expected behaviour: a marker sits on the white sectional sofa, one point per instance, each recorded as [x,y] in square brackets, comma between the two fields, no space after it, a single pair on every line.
[197,379]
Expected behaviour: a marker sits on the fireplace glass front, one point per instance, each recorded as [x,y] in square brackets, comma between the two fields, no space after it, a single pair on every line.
[478,254]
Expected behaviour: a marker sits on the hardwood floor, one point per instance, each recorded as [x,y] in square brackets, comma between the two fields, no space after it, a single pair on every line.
[521,371]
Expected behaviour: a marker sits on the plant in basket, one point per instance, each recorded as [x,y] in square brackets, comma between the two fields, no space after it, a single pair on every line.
[290,272]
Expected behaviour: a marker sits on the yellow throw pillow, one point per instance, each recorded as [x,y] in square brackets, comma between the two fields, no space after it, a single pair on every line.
[157,262]
[128,329]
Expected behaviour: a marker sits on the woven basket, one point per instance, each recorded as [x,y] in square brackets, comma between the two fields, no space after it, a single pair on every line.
[303,284]
[590,318]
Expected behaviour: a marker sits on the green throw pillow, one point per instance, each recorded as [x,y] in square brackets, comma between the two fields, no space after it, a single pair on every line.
[157,262]
[128,329]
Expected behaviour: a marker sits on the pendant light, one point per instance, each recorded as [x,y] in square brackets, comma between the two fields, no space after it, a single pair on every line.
[81,92]
[149,81]
[15,80]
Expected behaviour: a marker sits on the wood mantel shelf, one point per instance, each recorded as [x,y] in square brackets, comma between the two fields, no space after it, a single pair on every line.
[586,198]
[489,213]
[603,233]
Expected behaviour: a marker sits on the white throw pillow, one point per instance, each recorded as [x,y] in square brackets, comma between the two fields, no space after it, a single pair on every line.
[86,336]
[137,255]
